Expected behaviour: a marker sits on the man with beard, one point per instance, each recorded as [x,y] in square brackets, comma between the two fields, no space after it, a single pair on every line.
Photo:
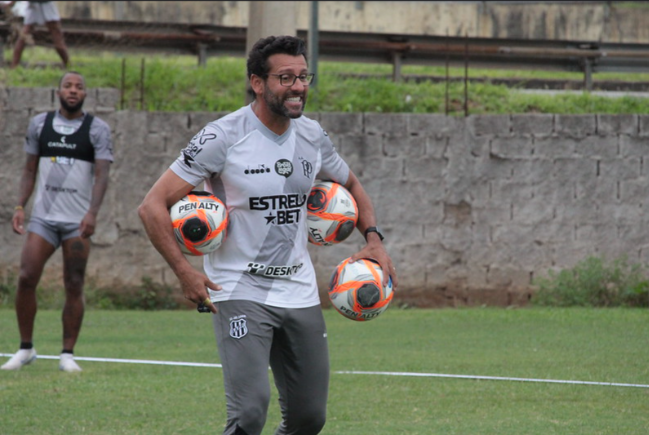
[71,152]
[261,161]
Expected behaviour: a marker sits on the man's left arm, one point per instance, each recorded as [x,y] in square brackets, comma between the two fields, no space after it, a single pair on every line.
[366,218]
[89,222]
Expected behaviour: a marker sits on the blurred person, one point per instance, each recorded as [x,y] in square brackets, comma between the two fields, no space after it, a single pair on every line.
[39,13]
[263,319]
[68,157]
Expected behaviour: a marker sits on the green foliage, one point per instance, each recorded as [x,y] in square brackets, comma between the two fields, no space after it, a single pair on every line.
[147,296]
[177,84]
[7,291]
[595,283]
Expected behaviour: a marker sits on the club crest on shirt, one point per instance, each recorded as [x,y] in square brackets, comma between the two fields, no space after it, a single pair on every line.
[284,167]
[238,326]
[307,167]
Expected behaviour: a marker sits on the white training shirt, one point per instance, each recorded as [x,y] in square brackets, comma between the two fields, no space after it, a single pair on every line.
[264,180]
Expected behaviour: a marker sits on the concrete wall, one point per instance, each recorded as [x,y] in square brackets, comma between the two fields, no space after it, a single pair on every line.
[472,208]
[591,21]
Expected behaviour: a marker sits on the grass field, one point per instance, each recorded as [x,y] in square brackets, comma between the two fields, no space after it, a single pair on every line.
[590,345]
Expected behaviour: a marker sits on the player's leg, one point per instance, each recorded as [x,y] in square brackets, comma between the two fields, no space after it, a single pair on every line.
[244,332]
[36,251]
[59,41]
[75,258]
[20,44]
[300,364]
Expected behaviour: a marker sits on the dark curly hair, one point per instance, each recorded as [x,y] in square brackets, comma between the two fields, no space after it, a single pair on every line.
[264,48]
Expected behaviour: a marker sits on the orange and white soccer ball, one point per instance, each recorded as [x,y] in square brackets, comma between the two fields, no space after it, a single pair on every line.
[200,222]
[332,213]
[356,290]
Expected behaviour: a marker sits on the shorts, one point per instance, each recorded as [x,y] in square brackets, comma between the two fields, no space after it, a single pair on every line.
[41,13]
[54,232]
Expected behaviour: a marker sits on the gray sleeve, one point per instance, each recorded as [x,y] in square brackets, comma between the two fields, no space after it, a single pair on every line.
[101,139]
[203,157]
[33,132]
[333,166]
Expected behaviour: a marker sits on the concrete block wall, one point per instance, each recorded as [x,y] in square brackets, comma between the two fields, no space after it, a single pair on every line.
[472,208]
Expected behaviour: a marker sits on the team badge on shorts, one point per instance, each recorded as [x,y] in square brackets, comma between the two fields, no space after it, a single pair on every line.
[238,327]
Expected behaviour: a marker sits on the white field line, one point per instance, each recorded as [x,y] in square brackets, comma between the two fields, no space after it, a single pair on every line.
[353,372]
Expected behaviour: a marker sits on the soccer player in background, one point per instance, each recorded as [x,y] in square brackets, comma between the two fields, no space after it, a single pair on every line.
[262,320]
[69,153]
[40,13]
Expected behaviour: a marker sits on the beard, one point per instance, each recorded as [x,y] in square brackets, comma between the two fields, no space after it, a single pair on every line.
[71,108]
[276,105]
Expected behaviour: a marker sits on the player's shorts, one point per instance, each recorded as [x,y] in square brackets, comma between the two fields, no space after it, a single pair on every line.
[41,13]
[54,232]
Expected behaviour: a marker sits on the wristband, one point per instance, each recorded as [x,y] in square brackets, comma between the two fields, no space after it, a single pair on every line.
[373,230]
[18,207]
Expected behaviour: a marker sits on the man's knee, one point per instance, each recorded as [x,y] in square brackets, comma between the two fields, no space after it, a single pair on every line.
[250,420]
[28,279]
[26,36]
[74,286]
[306,423]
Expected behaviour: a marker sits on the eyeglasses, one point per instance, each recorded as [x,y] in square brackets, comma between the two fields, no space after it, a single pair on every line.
[288,80]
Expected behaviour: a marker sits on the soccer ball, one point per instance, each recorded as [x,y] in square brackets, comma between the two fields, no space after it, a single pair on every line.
[331,213]
[200,222]
[356,290]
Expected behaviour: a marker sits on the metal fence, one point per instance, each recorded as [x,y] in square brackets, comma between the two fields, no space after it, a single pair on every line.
[203,41]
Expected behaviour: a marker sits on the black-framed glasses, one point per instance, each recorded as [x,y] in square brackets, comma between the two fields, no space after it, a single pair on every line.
[289,80]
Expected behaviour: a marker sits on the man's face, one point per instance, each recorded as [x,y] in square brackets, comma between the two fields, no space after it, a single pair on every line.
[72,92]
[282,100]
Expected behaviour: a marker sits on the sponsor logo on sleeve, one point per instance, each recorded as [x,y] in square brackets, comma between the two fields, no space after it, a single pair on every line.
[195,146]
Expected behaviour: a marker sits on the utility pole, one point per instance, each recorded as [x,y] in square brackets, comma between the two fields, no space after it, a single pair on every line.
[266,18]
[313,43]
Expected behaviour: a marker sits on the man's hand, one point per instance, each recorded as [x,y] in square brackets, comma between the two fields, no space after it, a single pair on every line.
[194,285]
[376,251]
[18,221]
[87,226]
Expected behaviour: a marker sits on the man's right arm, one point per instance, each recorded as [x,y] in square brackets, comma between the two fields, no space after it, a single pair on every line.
[154,213]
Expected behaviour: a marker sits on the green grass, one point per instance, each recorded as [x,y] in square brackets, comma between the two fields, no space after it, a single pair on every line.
[177,83]
[596,345]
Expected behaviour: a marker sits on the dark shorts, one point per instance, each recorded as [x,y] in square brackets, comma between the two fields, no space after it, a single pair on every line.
[53,232]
